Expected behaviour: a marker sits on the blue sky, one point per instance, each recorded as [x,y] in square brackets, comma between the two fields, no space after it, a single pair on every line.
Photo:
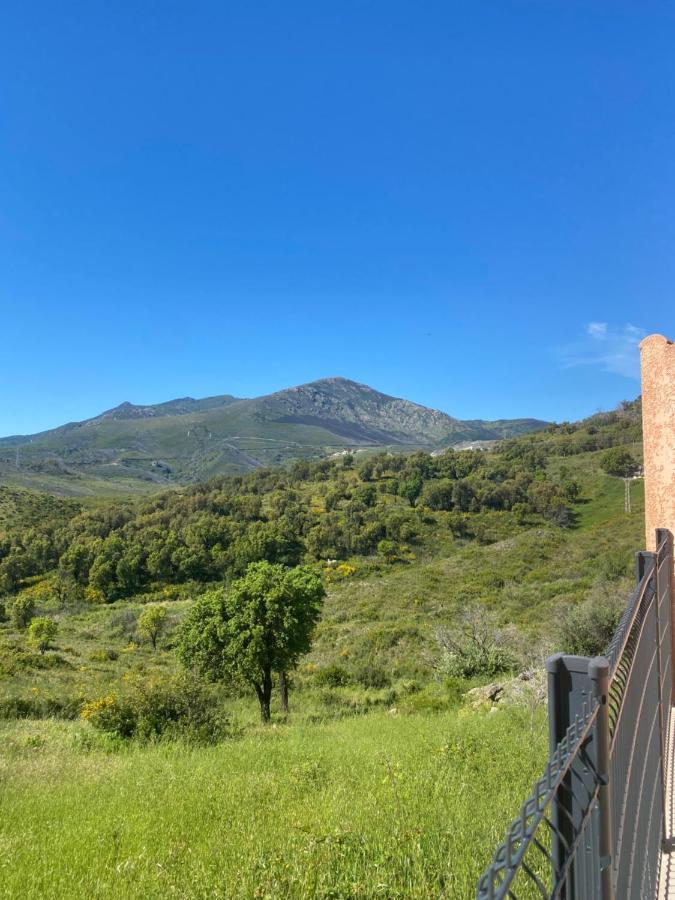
[468,204]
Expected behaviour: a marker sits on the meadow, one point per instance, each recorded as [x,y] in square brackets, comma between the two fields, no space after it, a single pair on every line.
[384,805]
[383,780]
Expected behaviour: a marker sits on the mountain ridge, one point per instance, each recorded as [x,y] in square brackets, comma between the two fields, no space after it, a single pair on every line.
[186,439]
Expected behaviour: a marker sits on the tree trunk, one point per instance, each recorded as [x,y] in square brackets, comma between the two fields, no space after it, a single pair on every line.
[264,692]
[283,692]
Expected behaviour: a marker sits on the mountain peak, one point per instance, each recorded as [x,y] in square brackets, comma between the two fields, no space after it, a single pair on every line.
[184,440]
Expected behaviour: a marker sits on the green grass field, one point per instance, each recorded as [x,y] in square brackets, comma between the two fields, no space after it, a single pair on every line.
[382,782]
[377,806]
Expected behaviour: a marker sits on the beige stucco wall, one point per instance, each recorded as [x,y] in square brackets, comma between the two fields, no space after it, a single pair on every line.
[658,419]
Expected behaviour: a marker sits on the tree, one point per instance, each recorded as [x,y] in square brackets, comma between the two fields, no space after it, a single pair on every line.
[41,632]
[571,489]
[261,625]
[387,550]
[283,691]
[411,488]
[437,495]
[462,496]
[22,610]
[618,462]
[152,622]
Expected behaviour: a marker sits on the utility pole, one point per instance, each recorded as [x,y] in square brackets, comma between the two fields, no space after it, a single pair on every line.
[626,501]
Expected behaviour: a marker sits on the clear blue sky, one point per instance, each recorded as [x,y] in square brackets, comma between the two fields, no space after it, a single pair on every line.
[468,204]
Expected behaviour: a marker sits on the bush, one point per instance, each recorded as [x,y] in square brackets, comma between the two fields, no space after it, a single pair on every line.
[476,648]
[41,633]
[437,495]
[103,655]
[15,659]
[615,565]
[22,611]
[370,675]
[154,709]
[39,706]
[476,661]
[332,676]
[387,550]
[124,623]
[588,627]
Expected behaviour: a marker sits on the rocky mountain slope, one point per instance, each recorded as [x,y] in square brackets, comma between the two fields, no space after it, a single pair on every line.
[134,448]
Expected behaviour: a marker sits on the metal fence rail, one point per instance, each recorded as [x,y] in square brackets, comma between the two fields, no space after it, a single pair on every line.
[594,824]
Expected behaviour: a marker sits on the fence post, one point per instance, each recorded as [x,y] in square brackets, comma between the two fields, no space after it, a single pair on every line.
[569,692]
[598,672]
[558,720]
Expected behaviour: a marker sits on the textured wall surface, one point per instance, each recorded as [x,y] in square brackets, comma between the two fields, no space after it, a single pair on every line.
[658,419]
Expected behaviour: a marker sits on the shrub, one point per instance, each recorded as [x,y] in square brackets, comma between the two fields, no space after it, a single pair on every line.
[15,659]
[104,655]
[589,626]
[475,648]
[3,611]
[370,675]
[614,565]
[338,572]
[22,611]
[39,706]
[437,495]
[153,709]
[388,550]
[474,661]
[332,676]
[41,633]
[124,623]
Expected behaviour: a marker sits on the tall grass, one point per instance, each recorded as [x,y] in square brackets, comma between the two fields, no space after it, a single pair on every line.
[377,806]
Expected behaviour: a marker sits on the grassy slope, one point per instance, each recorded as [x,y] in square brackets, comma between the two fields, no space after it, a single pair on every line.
[382,806]
[333,804]
[23,508]
[387,615]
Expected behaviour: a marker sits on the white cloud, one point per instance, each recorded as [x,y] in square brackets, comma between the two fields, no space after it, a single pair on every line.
[609,348]
[597,330]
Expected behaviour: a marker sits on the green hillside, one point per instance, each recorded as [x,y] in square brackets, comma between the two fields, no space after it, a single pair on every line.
[132,449]
[370,786]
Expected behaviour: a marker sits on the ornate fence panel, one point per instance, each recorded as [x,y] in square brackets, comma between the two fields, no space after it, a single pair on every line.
[594,824]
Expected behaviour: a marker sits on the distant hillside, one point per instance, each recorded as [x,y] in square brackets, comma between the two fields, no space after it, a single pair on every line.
[135,448]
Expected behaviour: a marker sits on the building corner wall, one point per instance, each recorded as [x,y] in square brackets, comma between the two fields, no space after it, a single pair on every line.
[658,422]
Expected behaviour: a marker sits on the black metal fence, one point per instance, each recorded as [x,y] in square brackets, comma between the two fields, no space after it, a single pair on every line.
[594,824]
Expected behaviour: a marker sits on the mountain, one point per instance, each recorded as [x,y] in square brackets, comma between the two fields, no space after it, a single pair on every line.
[134,448]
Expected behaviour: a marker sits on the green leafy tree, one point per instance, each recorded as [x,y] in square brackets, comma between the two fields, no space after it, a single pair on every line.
[437,495]
[152,623]
[618,462]
[41,633]
[387,550]
[462,496]
[411,488]
[261,625]
[22,611]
